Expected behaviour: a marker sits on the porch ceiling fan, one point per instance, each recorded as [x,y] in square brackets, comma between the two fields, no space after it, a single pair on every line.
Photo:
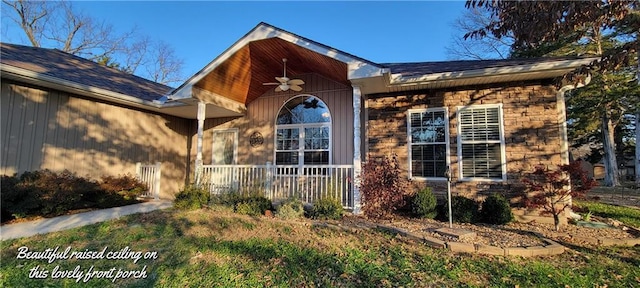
[284,83]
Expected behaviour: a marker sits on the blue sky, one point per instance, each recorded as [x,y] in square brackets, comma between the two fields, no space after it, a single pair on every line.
[377,31]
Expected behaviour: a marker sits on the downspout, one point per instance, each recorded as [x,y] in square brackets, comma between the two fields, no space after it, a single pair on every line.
[562,123]
[562,118]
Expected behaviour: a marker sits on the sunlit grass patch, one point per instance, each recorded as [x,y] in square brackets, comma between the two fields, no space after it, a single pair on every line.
[205,248]
[626,215]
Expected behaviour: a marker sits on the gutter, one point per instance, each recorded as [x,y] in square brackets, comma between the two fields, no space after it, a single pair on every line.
[41,79]
[399,80]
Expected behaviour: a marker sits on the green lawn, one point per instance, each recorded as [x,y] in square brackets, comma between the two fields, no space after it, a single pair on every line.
[206,248]
[626,215]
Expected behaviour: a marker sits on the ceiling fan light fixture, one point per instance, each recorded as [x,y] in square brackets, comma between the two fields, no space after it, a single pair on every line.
[284,83]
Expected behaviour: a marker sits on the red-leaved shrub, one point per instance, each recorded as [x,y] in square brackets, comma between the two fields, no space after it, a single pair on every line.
[552,190]
[383,187]
[126,185]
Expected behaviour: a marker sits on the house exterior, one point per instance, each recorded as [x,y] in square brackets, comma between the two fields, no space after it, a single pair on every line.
[486,121]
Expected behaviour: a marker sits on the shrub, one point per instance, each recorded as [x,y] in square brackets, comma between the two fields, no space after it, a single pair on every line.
[496,210]
[290,209]
[126,185]
[229,199]
[15,202]
[382,187]
[327,208]
[552,191]
[57,193]
[424,204]
[253,205]
[48,193]
[581,183]
[191,197]
[464,210]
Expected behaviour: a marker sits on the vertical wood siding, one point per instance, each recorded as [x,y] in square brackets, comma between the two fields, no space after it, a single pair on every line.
[261,117]
[48,129]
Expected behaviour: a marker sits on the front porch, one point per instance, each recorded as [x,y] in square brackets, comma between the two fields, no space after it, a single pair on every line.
[307,183]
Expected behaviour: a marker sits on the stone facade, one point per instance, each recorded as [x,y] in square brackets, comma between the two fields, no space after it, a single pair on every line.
[532,132]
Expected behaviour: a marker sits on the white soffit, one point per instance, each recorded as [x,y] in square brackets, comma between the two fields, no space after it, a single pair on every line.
[551,68]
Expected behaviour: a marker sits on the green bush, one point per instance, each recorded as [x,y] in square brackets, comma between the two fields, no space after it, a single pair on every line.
[464,210]
[229,199]
[496,210]
[191,198]
[290,209]
[253,205]
[423,204]
[327,208]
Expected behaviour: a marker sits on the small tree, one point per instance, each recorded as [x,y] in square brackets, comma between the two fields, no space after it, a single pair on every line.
[553,190]
[382,187]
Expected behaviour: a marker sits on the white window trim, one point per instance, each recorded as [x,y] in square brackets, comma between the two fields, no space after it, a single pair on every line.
[301,127]
[235,131]
[502,144]
[446,137]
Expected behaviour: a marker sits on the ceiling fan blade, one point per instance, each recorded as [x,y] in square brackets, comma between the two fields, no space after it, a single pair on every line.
[282,79]
[295,88]
[272,83]
[295,82]
[278,89]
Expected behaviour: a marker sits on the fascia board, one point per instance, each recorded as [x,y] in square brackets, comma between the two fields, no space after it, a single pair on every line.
[221,101]
[40,79]
[398,79]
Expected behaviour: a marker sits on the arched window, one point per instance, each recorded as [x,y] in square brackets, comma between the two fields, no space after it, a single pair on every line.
[303,132]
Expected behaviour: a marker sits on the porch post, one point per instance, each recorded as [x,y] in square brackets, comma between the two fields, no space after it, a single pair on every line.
[357,154]
[201,114]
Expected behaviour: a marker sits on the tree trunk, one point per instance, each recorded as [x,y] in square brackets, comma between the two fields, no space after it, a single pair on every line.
[556,222]
[611,177]
[638,118]
[638,143]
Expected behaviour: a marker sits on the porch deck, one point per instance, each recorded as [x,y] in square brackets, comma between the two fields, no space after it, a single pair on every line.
[280,182]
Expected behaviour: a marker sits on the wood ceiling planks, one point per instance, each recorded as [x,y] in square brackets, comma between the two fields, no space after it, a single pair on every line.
[241,76]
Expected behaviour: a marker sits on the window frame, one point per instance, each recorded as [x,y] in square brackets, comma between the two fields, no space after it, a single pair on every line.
[301,135]
[501,141]
[446,141]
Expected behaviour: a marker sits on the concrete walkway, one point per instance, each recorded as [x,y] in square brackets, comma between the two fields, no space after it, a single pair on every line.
[43,226]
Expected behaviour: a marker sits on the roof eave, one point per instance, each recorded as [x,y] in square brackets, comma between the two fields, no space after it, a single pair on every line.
[40,79]
[541,67]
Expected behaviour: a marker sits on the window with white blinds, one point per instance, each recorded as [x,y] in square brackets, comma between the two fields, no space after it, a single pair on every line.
[428,131]
[481,142]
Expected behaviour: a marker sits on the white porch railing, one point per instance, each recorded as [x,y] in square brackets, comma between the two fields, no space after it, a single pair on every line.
[279,182]
[149,174]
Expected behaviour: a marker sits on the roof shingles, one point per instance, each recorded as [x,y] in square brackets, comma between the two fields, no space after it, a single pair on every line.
[64,66]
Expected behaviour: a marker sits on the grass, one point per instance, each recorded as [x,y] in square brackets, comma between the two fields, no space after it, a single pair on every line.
[206,248]
[627,215]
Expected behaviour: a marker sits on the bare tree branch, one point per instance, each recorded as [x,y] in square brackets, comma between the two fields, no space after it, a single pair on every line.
[478,48]
[56,24]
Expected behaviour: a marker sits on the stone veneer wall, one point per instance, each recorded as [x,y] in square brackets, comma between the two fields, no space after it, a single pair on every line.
[532,133]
